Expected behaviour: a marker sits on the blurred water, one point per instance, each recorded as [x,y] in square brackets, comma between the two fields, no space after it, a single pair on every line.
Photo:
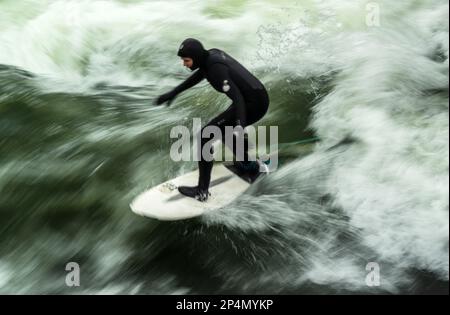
[79,139]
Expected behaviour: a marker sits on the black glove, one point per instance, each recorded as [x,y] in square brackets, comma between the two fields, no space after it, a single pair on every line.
[168,97]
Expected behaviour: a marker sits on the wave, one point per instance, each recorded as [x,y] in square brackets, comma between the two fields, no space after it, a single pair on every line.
[79,140]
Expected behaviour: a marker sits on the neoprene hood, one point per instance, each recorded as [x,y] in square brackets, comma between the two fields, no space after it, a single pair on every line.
[192,48]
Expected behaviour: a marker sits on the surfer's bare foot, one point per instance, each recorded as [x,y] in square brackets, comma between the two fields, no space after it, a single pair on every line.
[194,192]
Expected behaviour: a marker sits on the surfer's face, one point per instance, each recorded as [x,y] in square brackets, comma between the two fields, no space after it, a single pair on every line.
[188,62]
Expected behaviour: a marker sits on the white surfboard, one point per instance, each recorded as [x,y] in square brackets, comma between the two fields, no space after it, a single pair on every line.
[165,203]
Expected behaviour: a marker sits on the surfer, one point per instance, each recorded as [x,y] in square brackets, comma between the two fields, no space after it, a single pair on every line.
[250,102]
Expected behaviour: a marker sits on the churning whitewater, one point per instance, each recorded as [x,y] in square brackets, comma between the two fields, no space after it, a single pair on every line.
[80,138]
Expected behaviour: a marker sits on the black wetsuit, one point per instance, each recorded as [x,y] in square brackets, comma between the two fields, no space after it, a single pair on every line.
[250,100]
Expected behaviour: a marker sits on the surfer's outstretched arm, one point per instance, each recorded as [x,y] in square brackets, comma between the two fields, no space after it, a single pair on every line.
[193,80]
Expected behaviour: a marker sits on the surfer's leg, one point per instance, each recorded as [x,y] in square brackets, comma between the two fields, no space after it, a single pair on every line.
[257,107]
[256,110]
[205,166]
[200,192]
